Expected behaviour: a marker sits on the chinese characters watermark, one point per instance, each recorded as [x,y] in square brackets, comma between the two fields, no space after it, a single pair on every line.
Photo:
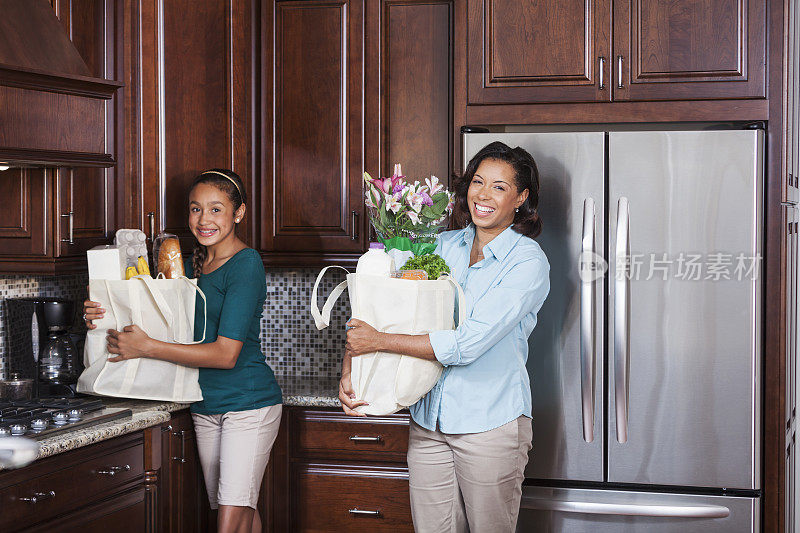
[684,266]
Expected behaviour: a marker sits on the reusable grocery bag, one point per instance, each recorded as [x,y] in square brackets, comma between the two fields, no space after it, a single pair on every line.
[389,381]
[164,309]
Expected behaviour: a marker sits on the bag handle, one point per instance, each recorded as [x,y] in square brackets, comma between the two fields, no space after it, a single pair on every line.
[323,319]
[163,307]
[460,298]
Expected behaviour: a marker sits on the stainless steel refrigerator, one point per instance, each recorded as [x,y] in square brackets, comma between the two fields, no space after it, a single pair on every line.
[645,362]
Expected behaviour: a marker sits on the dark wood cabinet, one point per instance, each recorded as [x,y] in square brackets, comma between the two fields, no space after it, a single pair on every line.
[556,52]
[188,107]
[331,472]
[183,498]
[23,226]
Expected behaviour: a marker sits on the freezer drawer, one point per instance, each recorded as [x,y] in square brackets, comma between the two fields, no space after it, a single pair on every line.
[548,510]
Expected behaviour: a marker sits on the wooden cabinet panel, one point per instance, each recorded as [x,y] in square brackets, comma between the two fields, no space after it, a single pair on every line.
[84,212]
[689,49]
[334,434]
[23,226]
[524,51]
[192,72]
[417,76]
[315,192]
[124,513]
[332,498]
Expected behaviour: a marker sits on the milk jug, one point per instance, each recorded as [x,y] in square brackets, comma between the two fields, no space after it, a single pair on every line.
[376,261]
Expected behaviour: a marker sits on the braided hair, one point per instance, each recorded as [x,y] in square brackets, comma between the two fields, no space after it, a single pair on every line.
[231,184]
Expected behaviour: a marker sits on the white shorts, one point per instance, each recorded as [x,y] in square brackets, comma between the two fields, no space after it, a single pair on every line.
[234,450]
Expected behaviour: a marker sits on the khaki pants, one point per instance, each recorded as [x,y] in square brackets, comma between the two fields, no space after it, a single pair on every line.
[234,450]
[469,482]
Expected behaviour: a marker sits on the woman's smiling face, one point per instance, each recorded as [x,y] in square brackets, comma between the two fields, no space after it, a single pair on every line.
[492,196]
[211,214]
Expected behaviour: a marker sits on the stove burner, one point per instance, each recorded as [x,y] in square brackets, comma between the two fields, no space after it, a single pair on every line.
[41,418]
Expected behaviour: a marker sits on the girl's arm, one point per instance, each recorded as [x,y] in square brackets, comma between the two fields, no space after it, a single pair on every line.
[133,342]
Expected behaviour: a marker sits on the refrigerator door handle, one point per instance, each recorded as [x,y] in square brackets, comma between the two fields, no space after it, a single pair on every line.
[588,271]
[628,509]
[622,282]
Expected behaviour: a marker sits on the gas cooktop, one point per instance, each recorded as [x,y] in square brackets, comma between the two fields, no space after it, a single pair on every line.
[45,417]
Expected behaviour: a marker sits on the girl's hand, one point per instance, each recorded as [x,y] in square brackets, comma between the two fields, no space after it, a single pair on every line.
[130,343]
[362,338]
[92,311]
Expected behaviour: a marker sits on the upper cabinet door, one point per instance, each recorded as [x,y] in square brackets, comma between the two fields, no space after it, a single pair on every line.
[312,174]
[192,74]
[689,49]
[527,51]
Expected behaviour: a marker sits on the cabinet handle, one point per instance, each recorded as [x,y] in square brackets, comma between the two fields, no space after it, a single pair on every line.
[619,72]
[602,84]
[39,496]
[362,512]
[151,216]
[355,225]
[71,221]
[114,470]
[356,438]
[182,458]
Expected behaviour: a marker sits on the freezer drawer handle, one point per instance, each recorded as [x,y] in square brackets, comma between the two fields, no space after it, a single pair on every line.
[622,304]
[588,270]
[629,509]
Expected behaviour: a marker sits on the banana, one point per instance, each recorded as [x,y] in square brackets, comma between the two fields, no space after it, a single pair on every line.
[141,266]
[130,272]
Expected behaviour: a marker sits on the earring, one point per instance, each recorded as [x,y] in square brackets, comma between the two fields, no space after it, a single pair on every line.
[237,221]
[516,210]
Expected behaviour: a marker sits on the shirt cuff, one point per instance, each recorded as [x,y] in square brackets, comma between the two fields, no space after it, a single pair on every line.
[444,346]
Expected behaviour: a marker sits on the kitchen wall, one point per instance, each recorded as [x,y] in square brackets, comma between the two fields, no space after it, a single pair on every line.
[291,342]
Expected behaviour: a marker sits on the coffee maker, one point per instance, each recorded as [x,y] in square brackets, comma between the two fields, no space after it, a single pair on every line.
[40,345]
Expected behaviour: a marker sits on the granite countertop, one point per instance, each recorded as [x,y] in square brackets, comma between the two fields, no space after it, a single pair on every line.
[297,391]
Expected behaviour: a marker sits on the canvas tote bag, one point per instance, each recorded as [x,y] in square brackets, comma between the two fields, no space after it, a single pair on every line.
[389,381]
[164,309]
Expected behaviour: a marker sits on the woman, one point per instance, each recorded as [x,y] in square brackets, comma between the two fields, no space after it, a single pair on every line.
[237,421]
[470,436]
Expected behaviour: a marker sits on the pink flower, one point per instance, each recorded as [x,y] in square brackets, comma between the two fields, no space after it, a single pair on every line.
[433,185]
[370,202]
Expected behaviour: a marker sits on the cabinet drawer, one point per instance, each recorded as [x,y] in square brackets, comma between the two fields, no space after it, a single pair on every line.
[74,479]
[337,498]
[336,434]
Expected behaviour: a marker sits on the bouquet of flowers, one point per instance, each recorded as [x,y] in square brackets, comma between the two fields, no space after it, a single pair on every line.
[407,216]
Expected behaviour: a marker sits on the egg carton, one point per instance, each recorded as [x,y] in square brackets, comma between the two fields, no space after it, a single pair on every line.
[132,243]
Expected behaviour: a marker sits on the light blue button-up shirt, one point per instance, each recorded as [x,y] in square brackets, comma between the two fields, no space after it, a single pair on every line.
[485,383]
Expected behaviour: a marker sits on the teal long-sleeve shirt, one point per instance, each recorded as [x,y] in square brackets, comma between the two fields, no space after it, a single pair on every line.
[485,383]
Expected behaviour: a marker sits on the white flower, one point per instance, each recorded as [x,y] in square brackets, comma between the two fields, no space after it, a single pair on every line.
[369,202]
[413,217]
[393,203]
[433,185]
[415,200]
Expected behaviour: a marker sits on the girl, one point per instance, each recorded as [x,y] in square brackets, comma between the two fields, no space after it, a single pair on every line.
[471,434]
[237,421]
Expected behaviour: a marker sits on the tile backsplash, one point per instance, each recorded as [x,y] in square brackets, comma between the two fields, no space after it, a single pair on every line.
[292,344]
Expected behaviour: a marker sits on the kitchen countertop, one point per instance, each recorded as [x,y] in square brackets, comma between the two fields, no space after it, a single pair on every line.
[297,391]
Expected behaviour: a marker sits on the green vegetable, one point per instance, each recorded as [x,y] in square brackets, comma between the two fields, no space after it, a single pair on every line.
[433,264]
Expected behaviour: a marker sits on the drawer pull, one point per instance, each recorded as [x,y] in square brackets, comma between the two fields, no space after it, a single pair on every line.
[356,438]
[39,496]
[114,470]
[362,512]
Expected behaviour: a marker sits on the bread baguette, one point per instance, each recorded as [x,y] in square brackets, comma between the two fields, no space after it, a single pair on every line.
[170,262]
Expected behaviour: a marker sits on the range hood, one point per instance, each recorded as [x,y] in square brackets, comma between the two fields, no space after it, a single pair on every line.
[52,111]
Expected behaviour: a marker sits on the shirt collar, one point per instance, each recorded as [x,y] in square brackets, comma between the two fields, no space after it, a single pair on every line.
[499,247]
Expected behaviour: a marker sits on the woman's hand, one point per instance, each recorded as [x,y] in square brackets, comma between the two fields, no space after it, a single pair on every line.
[346,394]
[362,338]
[130,343]
[92,311]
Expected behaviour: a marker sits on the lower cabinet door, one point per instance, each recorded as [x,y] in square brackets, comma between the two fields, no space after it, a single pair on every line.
[123,513]
[329,497]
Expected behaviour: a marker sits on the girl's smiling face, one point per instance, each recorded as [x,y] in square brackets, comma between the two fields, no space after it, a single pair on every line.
[212,218]
[492,196]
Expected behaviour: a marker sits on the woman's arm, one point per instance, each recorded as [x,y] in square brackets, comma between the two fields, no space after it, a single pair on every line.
[363,338]
[133,342]
[346,394]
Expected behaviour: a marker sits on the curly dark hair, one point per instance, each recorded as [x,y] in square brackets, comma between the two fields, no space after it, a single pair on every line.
[526,176]
[231,184]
